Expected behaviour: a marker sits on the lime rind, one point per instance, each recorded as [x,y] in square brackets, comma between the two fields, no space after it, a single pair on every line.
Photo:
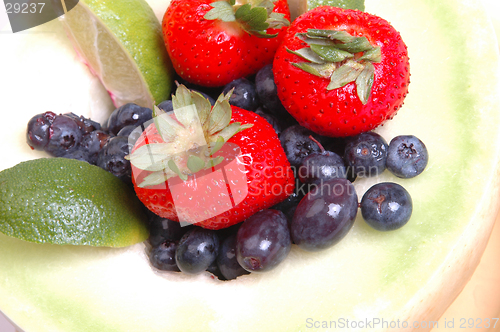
[65,201]
[121,42]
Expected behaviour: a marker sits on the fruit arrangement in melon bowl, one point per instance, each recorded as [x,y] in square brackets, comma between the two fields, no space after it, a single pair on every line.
[327,187]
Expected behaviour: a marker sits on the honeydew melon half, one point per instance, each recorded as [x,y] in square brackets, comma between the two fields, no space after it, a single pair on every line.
[411,274]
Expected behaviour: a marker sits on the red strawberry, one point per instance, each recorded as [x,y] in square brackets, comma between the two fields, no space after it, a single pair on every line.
[212,43]
[184,179]
[341,72]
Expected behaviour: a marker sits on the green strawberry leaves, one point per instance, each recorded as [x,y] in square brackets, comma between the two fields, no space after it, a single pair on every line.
[220,115]
[191,135]
[324,70]
[364,82]
[331,53]
[308,54]
[345,74]
[340,57]
[253,18]
[222,10]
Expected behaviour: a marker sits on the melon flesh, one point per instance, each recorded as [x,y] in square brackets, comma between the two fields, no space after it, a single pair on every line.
[411,274]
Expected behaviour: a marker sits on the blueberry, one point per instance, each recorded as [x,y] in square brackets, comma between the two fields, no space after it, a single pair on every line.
[226,260]
[212,92]
[320,167]
[126,131]
[92,143]
[407,156]
[386,206]
[89,147]
[366,154]
[162,256]
[166,106]
[197,250]
[297,144]
[224,233]
[210,99]
[162,229]
[37,133]
[336,145]
[270,119]
[267,91]
[132,133]
[288,205]
[325,215]
[214,269]
[86,125]
[64,136]
[244,94]
[128,114]
[268,95]
[78,154]
[112,158]
[263,241]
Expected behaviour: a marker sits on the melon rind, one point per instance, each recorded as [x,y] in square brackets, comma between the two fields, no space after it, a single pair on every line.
[412,274]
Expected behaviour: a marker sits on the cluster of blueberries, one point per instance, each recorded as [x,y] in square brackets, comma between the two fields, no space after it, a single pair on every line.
[193,249]
[71,136]
[385,206]
[324,170]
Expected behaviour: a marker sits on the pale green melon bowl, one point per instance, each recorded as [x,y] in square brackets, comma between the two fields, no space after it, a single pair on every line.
[412,274]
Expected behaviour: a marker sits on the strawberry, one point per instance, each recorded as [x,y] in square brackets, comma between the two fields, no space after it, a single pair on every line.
[341,72]
[213,167]
[212,43]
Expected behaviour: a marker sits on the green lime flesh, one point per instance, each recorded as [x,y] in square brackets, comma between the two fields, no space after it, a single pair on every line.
[66,201]
[452,107]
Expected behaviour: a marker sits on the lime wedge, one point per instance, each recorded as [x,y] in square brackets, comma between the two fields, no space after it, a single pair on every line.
[122,43]
[65,201]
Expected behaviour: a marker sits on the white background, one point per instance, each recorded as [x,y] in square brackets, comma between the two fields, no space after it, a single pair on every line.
[492,253]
